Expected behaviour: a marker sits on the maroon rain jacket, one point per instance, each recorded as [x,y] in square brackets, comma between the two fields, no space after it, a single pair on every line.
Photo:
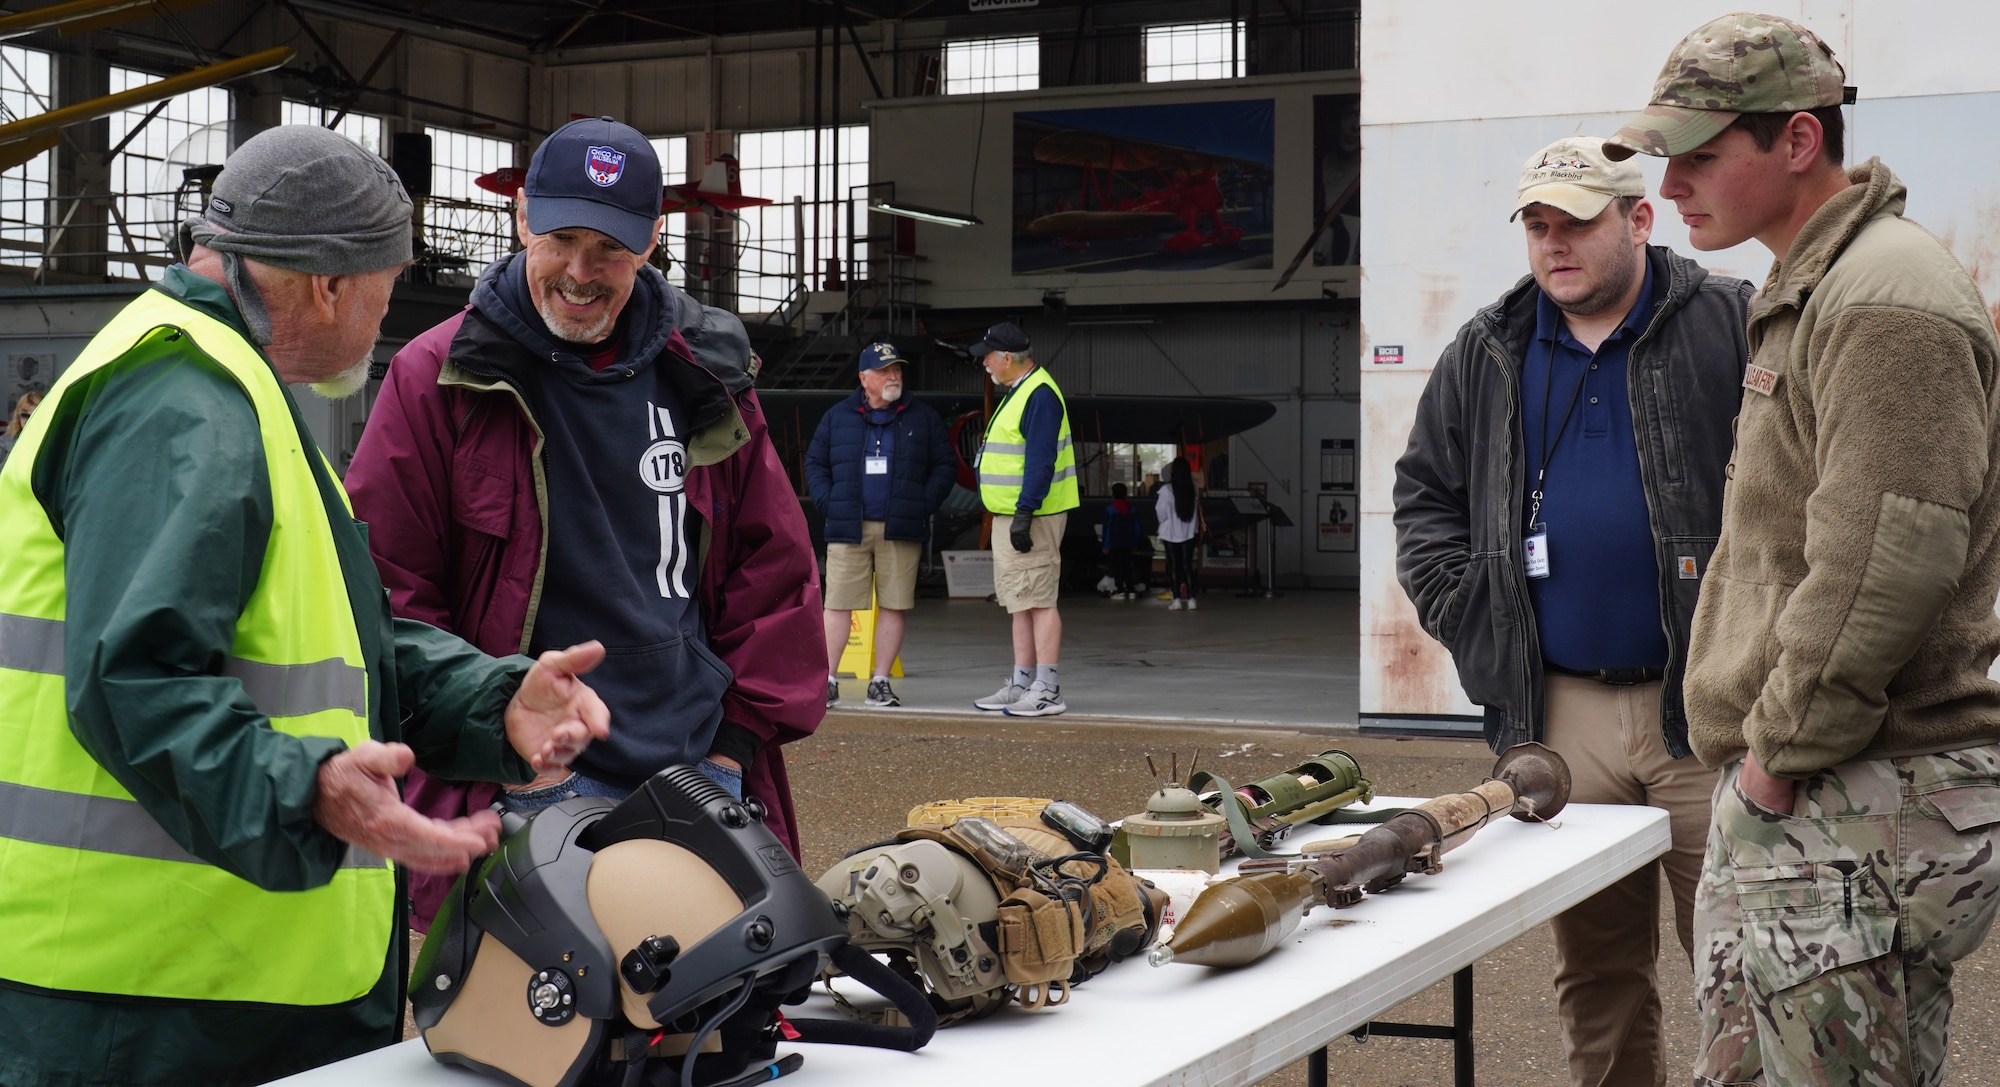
[447,478]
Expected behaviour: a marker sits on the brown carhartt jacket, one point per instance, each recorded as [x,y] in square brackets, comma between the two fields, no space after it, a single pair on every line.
[1849,609]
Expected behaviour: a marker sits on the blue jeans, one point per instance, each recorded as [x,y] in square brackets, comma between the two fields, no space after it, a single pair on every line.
[529,801]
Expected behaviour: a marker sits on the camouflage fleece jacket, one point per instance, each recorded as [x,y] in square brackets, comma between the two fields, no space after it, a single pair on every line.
[1849,608]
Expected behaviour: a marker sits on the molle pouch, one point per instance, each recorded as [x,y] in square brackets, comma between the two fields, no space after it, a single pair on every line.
[1039,937]
[1125,918]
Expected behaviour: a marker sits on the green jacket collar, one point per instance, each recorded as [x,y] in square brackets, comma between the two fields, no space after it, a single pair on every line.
[1874,193]
[206,295]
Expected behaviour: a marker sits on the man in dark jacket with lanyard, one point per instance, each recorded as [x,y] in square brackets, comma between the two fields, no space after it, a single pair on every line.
[207,701]
[1559,559]
[878,467]
[580,449]
[1027,474]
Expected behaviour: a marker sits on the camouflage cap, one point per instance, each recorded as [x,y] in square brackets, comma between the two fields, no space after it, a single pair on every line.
[1737,64]
[1573,176]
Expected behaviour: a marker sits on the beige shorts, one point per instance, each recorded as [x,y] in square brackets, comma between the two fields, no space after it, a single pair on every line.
[888,566]
[1024,581]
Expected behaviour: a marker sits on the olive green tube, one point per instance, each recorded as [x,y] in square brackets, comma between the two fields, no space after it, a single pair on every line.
[1238,921]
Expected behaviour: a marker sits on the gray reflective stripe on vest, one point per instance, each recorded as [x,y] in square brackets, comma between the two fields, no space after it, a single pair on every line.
[104,825]
[294,690]
[28,644]
[1017,480]
[1021,448]
[278,690]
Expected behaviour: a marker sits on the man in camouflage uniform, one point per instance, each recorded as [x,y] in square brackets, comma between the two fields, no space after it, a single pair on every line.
[1846,623]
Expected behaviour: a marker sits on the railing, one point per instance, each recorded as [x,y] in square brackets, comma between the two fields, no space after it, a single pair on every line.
[726,261]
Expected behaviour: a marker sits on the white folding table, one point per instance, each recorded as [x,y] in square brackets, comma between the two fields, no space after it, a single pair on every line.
[1135,1025]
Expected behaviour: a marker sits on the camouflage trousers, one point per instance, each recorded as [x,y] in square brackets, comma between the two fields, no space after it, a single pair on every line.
[1825,939]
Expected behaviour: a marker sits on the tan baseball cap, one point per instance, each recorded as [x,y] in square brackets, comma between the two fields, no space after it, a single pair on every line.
[1573,176]
[1741,63]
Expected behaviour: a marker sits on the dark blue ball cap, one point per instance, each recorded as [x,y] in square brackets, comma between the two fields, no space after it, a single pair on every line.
[596,174]
[1005,336]
[877,355]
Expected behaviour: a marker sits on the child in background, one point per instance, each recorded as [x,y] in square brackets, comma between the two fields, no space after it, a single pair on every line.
[1122,536]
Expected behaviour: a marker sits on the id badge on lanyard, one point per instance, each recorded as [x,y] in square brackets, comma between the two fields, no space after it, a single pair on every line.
[1535,550]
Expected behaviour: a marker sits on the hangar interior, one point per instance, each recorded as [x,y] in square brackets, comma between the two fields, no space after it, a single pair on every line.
[1165,195]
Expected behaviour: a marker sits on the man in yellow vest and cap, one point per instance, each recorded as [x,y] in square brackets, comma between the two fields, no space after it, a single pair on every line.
[1027,474]
[204,701]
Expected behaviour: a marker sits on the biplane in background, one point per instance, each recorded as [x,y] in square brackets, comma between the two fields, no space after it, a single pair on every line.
[1130,188]
[719,190]
[1133,188]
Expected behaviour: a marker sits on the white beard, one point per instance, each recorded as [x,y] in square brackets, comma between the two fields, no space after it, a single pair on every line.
[891,393]
[347,382]
[569,328]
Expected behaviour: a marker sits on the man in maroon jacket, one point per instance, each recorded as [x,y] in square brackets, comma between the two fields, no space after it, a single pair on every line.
[580,450]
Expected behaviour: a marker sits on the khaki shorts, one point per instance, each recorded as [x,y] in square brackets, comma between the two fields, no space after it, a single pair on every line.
[889,566]
[1031,580]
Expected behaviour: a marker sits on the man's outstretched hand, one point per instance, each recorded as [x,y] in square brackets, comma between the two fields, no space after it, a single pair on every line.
[358,803]
[554,716]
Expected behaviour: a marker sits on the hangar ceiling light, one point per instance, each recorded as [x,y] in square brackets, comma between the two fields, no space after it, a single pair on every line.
[924,214]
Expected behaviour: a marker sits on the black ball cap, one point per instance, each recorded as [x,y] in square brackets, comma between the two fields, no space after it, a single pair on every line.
[1005,336]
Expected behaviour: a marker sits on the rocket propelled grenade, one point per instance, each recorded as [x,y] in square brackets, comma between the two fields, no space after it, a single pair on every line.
[1238,921]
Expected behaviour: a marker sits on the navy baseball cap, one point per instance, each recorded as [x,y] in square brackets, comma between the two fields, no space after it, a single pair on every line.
[1005,336]
[596,174]
[877,355]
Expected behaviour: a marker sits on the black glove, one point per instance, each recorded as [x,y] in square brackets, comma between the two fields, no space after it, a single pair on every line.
[1022,534]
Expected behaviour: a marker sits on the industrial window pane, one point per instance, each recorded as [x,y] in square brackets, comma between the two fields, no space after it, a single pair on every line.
[673,154]
[778,165]
[359,127]
[462,220]
[979,65]
[459,157]
[25,81]
[1195,51]
[148,177]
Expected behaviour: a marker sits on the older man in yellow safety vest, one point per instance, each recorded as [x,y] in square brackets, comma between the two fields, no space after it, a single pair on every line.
[1027,473]
[204,701]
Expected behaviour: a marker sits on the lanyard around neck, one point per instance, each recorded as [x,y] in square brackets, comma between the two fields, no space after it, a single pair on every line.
[1549,447]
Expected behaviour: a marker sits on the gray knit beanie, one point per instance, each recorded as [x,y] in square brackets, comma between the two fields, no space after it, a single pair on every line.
[303,198]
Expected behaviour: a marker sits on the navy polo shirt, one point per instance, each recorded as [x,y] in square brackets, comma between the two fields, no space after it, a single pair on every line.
[1600,605]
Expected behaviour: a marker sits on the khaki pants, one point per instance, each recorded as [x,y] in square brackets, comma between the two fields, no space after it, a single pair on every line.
[1608,945]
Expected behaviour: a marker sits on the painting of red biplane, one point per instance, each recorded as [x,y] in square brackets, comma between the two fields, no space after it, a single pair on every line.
[1143,188]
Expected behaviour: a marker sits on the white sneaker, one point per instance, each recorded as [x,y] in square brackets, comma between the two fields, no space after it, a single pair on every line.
[1174,604]
[1040,700]
[1001,699]
[1190,603]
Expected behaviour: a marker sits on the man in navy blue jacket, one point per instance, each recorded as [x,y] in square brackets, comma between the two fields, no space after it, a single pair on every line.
[879,466]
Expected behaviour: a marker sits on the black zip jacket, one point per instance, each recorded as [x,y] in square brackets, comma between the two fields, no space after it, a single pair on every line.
[1461,483]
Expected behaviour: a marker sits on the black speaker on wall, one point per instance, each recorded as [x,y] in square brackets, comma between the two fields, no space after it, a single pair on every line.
[410,156]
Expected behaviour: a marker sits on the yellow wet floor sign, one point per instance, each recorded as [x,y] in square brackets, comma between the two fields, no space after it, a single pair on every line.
[858,659]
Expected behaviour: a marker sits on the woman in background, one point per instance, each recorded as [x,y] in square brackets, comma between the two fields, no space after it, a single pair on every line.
[18,422]
[1180,526]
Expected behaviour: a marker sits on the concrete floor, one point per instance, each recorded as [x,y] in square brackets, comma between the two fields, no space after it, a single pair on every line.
[1290,660]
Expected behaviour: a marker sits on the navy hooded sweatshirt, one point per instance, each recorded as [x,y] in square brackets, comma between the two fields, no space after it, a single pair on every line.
[622,538]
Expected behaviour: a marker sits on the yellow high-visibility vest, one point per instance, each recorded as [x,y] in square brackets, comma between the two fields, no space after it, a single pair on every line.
[95,897]
[1004,456]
